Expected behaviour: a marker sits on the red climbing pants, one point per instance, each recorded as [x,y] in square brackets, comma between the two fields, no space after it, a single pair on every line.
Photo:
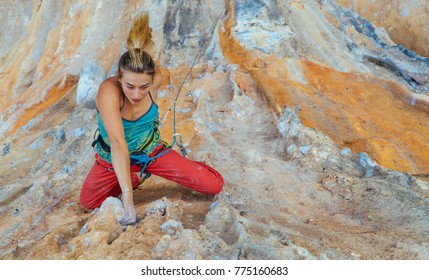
[102,182]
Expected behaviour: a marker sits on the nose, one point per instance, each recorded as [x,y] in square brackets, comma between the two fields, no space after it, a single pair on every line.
[136,93]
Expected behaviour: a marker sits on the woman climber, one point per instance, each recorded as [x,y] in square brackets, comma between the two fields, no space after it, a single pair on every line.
[129,142]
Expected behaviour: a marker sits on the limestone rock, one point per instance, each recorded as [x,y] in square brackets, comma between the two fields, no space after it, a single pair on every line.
[314,112]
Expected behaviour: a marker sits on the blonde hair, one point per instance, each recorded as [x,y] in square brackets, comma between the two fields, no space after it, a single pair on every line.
[136,59]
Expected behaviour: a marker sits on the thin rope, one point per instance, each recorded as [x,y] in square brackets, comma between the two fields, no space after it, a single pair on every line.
[197,56]
[203,43]
[144,159]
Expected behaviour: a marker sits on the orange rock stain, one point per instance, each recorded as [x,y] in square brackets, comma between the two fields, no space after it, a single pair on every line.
[57,91]
[362,112]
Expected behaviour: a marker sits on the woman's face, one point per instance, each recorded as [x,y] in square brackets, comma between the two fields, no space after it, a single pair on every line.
[135,85]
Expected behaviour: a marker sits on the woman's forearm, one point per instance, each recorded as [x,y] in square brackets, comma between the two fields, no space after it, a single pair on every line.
[121,164]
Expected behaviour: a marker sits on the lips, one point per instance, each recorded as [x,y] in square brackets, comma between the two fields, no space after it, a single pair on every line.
[135,100]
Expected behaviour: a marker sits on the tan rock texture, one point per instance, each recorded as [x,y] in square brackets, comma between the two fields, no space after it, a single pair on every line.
[405,21]
[315,117]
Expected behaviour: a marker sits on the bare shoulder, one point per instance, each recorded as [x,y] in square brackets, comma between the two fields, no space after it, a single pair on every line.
[108,93]
[109,85]
[108,104]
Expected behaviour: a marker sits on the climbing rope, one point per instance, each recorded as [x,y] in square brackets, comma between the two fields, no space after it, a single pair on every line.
[143,159]
[173,103]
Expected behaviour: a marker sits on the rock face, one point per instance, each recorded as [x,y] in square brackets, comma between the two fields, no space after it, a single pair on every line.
[405,21]
[315,115]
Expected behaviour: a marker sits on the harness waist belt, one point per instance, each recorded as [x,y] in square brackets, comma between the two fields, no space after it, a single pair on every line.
[99,140]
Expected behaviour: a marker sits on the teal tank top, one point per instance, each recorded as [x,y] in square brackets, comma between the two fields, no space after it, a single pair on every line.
[141,135]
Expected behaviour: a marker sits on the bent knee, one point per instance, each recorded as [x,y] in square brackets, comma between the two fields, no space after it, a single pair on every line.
[214,179]
[216,186]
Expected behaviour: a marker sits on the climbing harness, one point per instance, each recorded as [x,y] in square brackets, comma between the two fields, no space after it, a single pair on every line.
[141,158]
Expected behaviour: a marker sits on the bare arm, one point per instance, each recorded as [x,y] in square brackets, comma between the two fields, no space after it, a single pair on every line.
[108,103]
[157,82]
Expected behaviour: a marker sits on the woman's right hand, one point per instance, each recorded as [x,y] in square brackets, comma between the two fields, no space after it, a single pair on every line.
[129,209]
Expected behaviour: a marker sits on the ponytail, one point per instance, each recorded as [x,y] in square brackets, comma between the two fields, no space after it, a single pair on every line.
[136,59]
[140,35]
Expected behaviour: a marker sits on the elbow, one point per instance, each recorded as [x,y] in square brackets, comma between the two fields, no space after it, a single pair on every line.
[157,79]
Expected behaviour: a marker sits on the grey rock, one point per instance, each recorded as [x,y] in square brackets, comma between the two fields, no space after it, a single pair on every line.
[6,149]
[90,79]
